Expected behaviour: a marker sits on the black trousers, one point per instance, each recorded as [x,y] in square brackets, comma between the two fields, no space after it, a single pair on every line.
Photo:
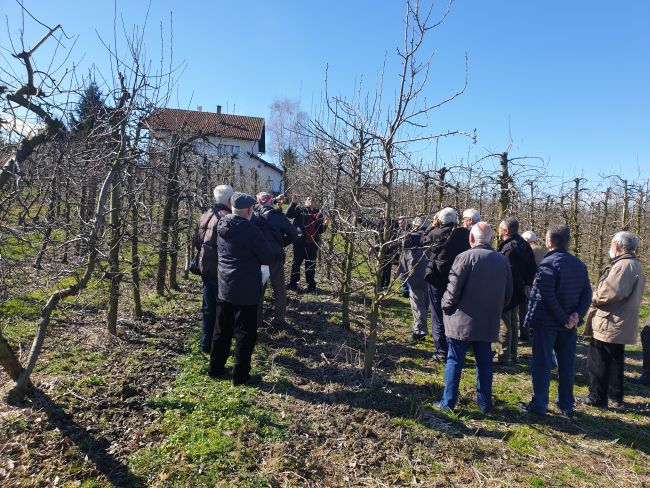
[308,253]
[240,322]
[645,345]
[605,362]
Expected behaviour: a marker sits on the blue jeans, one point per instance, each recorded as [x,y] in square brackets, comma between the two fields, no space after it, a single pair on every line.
[454,367]
[563,343]
[209,309]
[437,326]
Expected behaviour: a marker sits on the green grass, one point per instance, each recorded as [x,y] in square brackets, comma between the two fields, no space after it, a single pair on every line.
[208,431]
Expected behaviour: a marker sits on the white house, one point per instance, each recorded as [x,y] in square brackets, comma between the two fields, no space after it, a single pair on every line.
[242,137]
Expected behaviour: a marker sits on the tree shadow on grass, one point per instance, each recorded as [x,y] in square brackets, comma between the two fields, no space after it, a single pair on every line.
[95,448]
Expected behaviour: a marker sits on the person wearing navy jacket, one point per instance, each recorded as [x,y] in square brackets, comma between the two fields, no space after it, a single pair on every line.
[559,299]
[242,250]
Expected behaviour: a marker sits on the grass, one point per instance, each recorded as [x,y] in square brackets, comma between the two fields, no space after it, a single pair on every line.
[209,431]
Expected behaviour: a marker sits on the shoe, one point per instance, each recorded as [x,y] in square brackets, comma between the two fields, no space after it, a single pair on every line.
[525,407]
[442,408]
[616,405]
[438,356]
[312,289]
[292,287]
[568,414]
[588,401]
[406,294]
[252,379]
[500,362]
[418,337]
[220,373]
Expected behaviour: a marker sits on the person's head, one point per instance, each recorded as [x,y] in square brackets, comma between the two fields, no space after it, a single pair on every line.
[420,221]
[471,216]
[222,194]
[448,216]
[623,243]
[265,199]
[403,222]
[242,205]
[481,233]
[309,202]
[558,236]
[508,227]
[529,236]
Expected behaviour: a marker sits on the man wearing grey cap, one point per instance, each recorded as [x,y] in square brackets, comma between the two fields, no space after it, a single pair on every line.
[242,250]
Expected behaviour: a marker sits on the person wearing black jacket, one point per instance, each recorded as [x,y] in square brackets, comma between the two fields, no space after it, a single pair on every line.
[242,251]
[205,244]
[279,233]
[522,263]
[445,242]
[311,223]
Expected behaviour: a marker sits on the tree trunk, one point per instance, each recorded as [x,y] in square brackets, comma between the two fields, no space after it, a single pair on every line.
[8,359]
[504,186]
[114,258]
[170,195]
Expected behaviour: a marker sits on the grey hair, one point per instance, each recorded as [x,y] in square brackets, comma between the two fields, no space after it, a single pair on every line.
[222,194]
[529,236]
[559,235]
[448,215]
[511,224]
[482,232]
[420,221]
[473,214]
[626,241]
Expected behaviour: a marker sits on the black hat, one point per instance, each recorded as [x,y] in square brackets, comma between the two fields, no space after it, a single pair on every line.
[241,201]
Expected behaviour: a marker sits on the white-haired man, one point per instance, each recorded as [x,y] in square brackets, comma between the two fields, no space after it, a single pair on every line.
[613,321]
[445,243]
[471,216]
[479,286]
[205,243]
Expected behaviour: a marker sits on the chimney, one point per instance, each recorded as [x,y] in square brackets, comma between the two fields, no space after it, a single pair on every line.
[218,109]
[199,108]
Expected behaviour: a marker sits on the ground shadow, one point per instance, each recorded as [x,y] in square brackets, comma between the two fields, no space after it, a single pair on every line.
[95,448]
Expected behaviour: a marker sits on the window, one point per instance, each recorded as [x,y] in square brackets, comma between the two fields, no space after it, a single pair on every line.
[228,149]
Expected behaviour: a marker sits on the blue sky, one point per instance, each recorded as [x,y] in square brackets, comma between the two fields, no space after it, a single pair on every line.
[567,79]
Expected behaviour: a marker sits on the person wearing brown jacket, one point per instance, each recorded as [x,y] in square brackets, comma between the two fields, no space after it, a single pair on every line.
[613,321]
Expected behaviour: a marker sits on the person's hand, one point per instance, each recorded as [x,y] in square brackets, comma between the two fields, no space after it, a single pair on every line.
[574,318]
[280,199]
[527,291]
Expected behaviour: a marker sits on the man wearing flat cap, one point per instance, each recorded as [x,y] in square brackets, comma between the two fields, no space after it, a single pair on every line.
[242,250]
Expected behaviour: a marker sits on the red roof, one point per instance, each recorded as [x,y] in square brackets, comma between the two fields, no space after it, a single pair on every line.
[210,123]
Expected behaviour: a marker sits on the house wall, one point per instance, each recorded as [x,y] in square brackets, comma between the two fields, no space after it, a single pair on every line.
[269,179]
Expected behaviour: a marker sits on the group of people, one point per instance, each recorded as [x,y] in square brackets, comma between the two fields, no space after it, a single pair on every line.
[233,240]
[477,296]
[490,298]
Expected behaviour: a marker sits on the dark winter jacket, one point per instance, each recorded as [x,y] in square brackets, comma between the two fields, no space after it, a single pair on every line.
[309,221]
[414,258]
[561,287]
[205,240]
[446,243]
[277,229]
[522,264]
[242,251]
[479,286]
